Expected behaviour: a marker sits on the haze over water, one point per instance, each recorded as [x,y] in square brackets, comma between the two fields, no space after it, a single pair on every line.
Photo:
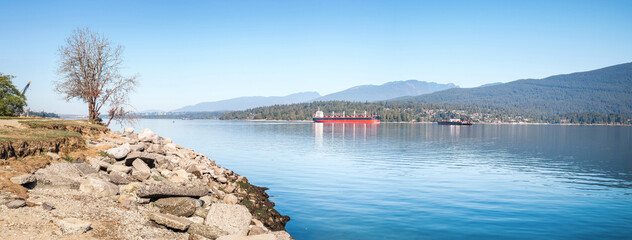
[424,181]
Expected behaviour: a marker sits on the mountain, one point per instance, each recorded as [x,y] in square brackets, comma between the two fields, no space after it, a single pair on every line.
[386,91]
[490,84]
[605,90]
[242,103]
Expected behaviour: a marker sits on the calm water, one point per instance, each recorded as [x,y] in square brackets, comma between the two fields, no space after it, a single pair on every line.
[424,181]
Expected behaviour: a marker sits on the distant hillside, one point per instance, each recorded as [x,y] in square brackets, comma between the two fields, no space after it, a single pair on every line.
[386,91]
[606,90]
[490,84]
[242,103]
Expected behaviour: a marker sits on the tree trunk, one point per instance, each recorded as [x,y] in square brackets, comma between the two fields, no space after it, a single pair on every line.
[92,114]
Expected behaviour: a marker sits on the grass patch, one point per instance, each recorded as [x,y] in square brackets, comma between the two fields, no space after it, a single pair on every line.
[68,159]
[26,134]
[260,212]
[247,203]
[63,124]
[243,185]
[103,154]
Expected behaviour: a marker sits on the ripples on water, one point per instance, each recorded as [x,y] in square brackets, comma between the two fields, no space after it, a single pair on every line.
[419,181]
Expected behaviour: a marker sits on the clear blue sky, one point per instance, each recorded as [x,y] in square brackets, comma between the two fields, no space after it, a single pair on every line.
[192,51]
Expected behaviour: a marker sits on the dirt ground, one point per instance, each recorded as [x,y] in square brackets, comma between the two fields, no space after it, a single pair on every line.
[10,123]
[15,167]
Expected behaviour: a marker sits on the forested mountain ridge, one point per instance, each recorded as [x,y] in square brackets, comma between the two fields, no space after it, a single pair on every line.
[606,90]
[593,97]
[389,90]
[242,103]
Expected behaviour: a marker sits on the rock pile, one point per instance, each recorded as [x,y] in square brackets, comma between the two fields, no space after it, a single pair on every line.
[188,191]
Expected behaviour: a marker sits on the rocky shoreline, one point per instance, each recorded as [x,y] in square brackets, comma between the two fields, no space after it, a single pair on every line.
[142,187]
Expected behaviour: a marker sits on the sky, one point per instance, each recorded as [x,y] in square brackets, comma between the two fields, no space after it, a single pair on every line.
[186,52]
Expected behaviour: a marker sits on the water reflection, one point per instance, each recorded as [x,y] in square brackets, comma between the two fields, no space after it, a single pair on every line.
[351,131]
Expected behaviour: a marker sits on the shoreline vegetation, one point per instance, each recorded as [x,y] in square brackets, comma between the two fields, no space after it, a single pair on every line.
[83,181]
[407,113]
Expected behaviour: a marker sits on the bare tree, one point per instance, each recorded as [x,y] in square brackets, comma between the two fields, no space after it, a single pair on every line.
[89,70]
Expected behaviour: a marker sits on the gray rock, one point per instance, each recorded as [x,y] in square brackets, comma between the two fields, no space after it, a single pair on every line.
[268,236]
[156,148]
[23,179]
[118,153]
[64,169]
[54,180]
[207,201]
[201,212]
[230,188]
[170,221]
[256,230]
[197,237]
[232,218]
[85,169]
[167,190]
[128,130]
[179,206]
[211,232]
[98,164]
[171,147]
[73,226]
[140,175]
[47,206]
[118,178]
[147,135]
[140,165]
[120,168]
[230,199]
[15,203]
[149,158]
[98,187]
[196,219]
[222,179]
[281,235]
[137,147]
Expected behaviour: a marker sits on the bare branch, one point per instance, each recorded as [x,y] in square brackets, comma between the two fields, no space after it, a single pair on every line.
[89,71]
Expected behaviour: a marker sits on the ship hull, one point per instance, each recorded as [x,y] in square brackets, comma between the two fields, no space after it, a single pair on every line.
[347,120]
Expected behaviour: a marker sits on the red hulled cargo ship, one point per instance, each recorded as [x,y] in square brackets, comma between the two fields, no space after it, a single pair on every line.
[320,117]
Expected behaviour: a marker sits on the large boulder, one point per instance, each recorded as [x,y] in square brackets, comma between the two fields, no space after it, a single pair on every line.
[140,175]
[128,130]
[85,169]
[118,153]
[168,190]
[282,235]
[179,206]
[140,165]
[231,218]
[170,221]
[119,168]
[23,179]
[64,169]
[118,178]
[210,232]
[98,187]
[147,135]
[253,237]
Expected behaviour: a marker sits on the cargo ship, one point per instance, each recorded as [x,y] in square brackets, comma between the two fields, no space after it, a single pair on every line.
[454,122]
[319,116]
